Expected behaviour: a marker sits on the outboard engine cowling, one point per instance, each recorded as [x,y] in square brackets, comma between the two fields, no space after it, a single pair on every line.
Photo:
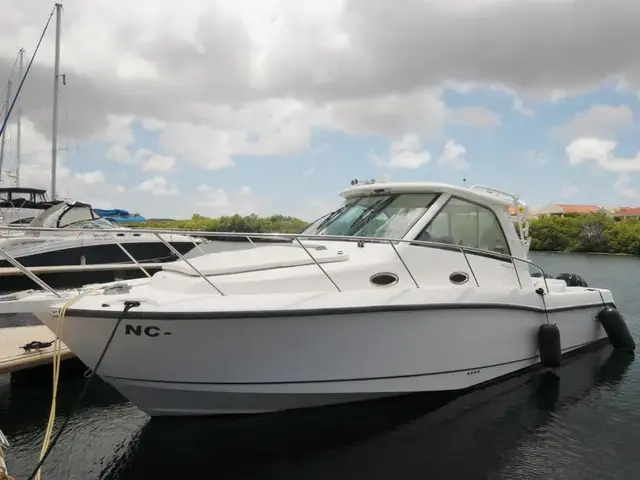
[572,279]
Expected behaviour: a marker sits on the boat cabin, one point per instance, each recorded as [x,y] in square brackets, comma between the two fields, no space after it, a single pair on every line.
[71,214]
[17,197]
[477,217]
[19,205]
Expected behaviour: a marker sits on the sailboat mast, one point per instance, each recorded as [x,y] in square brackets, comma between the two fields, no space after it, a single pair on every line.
[19,115]
[7,101]
[54,123]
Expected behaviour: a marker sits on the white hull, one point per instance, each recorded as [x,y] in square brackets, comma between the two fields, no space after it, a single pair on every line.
[203,366]
[339,318]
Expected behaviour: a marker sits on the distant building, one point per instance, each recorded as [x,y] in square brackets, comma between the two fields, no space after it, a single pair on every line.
[561,209]
[626,213]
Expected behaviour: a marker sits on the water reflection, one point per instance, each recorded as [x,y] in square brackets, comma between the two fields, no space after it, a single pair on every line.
[464,437]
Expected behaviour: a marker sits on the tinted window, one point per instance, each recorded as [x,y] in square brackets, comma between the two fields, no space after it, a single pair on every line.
[388,216]
[467,224]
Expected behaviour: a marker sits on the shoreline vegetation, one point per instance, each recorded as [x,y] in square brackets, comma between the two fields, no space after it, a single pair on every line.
[594,233]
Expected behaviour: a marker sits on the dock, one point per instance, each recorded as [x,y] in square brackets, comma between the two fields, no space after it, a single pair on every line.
[13,357]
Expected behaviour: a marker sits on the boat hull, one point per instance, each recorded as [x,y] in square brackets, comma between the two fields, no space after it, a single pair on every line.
[98,254]
[199,366]
[147,252]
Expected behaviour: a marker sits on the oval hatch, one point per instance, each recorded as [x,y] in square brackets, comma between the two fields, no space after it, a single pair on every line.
[458,278]
[384,279]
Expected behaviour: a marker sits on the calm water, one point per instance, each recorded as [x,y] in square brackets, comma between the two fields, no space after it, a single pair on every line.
[581,424]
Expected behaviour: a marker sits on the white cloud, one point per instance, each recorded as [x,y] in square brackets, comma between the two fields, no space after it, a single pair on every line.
[602,153]
[454,156]
[407,152]
[519,106]
[158,163]
[598,121]
[569,190]
[91,177]
[535,158]
[212,201]
[158,186]
[474,117]
[120,154]
[623,187]
[117,130]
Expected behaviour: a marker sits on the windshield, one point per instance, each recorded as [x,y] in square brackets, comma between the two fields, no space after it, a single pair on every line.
[389,216]
[93,223]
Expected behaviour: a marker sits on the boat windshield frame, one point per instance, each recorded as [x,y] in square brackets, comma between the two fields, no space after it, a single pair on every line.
[365,211]
[99,223]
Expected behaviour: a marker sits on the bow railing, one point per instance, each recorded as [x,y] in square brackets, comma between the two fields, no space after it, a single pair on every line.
[298,239]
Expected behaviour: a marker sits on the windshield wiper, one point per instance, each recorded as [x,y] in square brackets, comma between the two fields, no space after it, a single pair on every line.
[370,210]
[332,215]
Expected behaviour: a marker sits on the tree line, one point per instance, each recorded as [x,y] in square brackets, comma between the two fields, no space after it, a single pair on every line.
[234,223]
[594,232]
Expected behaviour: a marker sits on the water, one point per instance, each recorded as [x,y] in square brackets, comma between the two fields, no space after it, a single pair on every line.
[581,425]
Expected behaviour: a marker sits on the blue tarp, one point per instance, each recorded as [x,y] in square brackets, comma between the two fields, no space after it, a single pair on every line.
[117,215]
[130,218]
[111,213]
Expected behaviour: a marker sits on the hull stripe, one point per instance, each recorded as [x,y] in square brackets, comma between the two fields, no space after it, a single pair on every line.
[314,312]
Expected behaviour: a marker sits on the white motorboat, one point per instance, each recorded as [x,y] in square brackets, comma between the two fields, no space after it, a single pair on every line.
[93,245]
[96,243]
[20,205]
[407,287]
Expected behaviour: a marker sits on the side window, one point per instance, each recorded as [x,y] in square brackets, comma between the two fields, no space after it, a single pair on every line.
[467,224]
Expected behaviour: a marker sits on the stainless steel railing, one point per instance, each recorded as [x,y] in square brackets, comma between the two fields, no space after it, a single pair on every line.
[297,238]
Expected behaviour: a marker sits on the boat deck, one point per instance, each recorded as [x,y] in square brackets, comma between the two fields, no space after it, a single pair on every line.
[14,358]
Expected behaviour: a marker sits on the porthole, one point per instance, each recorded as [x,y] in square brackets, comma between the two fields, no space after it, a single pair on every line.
[384,279]
[458,278]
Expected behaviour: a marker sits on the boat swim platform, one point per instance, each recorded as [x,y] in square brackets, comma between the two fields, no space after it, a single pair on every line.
[13,358]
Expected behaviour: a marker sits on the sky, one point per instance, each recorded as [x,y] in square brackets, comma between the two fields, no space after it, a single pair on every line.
[272,106]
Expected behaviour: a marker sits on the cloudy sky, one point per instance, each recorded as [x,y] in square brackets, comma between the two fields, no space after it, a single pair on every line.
[272,106]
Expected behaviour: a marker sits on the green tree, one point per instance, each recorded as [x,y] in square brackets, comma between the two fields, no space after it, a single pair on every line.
[595,232]
[234,223]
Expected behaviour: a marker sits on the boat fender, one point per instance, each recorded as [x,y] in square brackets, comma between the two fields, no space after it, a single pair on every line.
[572,279]
[616,329]
[549,345]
